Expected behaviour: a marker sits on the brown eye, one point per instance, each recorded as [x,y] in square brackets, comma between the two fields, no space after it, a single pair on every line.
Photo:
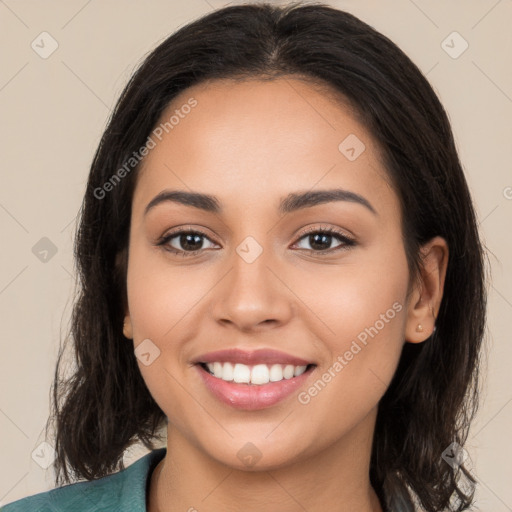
[320,240]
[185,243]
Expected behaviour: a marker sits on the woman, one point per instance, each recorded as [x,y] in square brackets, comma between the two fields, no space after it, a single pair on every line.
[280,263]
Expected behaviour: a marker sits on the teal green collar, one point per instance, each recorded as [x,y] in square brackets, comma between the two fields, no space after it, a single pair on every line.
[124,491]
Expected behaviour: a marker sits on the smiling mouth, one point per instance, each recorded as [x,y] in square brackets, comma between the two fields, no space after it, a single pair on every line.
[258,374]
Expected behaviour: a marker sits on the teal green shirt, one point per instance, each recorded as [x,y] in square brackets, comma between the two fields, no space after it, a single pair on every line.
[124,491]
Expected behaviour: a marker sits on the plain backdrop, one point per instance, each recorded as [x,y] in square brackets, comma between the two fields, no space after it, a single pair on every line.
[55,106]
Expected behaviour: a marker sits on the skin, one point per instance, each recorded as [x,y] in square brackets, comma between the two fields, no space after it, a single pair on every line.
[250,144]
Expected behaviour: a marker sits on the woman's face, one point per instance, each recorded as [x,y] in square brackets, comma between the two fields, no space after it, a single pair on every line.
[266,278]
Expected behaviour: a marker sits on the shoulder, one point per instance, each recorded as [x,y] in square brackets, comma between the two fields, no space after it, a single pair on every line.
[121,491]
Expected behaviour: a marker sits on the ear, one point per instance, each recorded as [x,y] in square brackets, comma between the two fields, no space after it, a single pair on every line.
[127,327]
[427,292]
[121,265]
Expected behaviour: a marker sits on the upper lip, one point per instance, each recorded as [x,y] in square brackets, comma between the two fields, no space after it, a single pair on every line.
[262,356]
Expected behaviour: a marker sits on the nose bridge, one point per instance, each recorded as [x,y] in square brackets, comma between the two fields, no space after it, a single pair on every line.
[252,294]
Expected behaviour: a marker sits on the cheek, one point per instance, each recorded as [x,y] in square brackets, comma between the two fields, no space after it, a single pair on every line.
[360,316]
[160,298]
[160,294]
[366,290]
[363,355]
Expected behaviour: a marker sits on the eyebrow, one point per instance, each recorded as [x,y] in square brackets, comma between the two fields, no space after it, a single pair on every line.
[292,202]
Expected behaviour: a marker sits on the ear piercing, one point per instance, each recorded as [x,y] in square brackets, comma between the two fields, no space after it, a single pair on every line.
[419,328]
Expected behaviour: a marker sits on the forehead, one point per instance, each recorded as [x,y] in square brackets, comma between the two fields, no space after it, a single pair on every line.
[253,139]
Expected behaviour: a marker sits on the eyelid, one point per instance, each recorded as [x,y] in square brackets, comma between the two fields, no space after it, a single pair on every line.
[164,239]
[329,229]
[347,240]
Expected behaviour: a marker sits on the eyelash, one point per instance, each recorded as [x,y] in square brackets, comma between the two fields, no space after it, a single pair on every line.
[347,241]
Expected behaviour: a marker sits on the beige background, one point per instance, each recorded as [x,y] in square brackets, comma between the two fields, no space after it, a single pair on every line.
[53,112]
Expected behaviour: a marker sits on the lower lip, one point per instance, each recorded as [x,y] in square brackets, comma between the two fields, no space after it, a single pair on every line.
[251,397]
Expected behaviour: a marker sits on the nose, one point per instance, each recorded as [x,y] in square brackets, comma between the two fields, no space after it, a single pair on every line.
[253,296]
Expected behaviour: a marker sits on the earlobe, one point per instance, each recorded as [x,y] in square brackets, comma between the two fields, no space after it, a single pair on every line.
[427,293]
[127,327]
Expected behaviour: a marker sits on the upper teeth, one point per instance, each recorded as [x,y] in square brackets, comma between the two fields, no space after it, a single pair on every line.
[257,374]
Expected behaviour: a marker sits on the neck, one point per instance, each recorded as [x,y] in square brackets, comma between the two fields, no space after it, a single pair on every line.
[336,479]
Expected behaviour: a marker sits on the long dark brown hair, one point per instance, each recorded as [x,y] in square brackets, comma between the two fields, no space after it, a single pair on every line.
[104,406]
